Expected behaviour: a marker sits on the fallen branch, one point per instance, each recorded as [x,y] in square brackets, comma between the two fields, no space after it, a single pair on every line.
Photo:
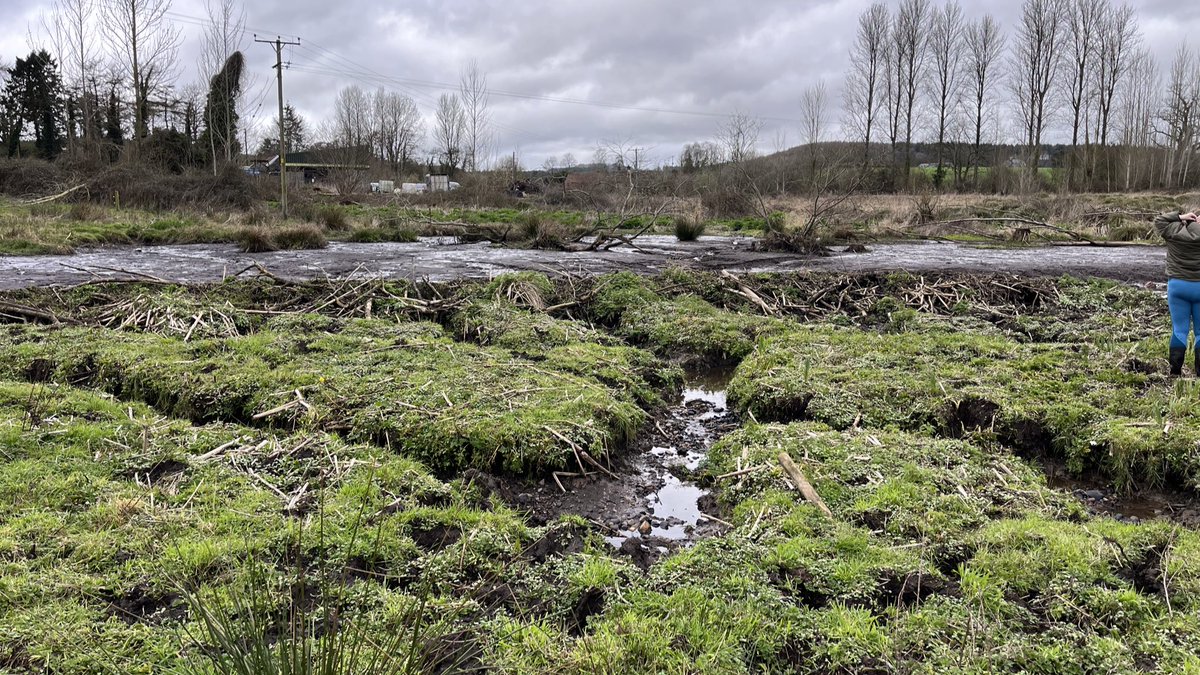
[802,484]
[64,193]
[741,472]
[30,312]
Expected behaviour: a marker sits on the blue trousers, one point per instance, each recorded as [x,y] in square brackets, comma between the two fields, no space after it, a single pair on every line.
[1183,299]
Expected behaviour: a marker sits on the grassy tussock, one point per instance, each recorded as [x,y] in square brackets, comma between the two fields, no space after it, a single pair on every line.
[265,238]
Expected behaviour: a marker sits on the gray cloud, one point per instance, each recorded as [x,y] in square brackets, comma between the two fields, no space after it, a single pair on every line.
[699,56]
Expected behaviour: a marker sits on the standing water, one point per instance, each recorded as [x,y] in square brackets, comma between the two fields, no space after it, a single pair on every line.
[672,511]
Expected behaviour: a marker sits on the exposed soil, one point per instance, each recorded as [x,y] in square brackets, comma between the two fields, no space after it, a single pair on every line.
[648,507]
[1144,504]
[440,259]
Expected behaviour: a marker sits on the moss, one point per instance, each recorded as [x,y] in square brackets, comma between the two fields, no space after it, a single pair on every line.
[451,404]
[1081,400]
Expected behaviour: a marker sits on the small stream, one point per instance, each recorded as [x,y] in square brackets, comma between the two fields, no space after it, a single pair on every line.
[673,511]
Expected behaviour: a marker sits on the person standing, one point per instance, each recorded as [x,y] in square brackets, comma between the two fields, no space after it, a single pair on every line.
[1182,234]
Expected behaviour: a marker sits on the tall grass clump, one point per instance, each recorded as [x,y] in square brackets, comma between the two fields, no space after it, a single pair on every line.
[309,622]
[263,239]
[688,229]
[332,217]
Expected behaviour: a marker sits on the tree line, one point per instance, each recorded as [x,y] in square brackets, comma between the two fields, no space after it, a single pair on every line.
[1078,68]
[933,99]
[103,82]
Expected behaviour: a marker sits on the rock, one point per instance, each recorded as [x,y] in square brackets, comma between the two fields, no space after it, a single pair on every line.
[1093,494]
[645,528]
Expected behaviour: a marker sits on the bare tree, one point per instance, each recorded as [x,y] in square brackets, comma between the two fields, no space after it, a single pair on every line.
[1180,115]
[71,26]
[399,128]
[1084,23]
[352,113]
[449,131]
[1035,60]
[473,94]
[813,118]
[910,34]
[224,34]
[1118,40]
[865,82]
[739,136]
[946,50]
[145,43]
[1137,115]
[985,44]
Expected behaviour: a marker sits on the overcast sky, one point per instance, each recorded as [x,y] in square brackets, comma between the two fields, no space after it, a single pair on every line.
[656,73]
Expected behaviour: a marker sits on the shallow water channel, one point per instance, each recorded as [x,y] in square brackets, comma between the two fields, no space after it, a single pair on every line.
[673,510]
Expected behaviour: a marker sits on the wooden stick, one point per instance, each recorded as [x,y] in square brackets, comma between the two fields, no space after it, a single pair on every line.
[802,484]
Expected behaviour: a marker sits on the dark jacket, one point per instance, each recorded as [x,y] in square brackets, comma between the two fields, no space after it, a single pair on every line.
[1183,246]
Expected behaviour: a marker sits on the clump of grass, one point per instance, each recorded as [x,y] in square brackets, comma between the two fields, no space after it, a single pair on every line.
[300,237]
[256,239]
[332,217]
[688,228]
[263,239]
[85,211]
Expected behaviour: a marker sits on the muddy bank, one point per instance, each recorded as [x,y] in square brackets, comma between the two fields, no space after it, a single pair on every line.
[439,259]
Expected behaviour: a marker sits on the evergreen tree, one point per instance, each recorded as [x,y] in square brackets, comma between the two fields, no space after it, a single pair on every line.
[34,101]
[220,111]
[294,133]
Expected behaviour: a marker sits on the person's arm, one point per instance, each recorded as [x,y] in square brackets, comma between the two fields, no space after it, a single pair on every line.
[1175,226]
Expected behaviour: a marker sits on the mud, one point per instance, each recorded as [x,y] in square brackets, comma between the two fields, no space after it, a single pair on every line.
[649,506]
[1142,505]
[441,259]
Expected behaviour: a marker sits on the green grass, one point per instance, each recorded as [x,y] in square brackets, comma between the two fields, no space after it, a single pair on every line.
[150,523]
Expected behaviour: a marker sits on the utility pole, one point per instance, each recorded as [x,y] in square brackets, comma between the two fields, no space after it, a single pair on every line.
[278,45]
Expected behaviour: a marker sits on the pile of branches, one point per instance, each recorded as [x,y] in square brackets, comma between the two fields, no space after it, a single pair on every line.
[815,296]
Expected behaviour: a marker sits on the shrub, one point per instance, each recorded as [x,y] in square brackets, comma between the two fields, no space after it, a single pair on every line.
[136,185]
[688,229]
[29,177]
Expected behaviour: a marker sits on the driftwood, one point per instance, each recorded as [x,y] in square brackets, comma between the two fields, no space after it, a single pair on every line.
[802,484]
[1022,221]
[26,312]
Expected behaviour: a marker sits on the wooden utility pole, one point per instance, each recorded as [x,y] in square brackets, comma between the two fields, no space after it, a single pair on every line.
[278,44]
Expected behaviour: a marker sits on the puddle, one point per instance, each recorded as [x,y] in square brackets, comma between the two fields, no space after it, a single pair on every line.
[1099,498]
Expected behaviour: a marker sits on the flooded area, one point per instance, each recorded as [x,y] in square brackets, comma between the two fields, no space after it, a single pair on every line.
[441,259]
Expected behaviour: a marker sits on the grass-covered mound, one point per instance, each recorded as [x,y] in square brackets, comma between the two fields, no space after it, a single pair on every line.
[1097,404]
[119,528]
[402,385]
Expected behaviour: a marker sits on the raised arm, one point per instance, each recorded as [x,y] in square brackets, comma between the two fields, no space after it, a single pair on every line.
[1175,226]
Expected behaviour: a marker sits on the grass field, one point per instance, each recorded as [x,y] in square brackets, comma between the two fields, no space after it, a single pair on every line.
[193,475]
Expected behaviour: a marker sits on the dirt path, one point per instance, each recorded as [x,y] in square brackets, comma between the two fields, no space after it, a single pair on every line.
[440,260]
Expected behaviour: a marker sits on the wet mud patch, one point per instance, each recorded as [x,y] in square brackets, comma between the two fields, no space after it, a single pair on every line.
[1142,505]
[648,505]
[143,605]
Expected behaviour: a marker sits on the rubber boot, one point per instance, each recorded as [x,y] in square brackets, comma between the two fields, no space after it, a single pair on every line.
[1178,354]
